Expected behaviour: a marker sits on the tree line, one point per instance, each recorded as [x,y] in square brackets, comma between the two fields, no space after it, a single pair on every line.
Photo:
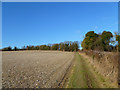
[63,46]
[105,41]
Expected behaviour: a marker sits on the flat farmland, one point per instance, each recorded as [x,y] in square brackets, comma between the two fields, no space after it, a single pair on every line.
[34,69]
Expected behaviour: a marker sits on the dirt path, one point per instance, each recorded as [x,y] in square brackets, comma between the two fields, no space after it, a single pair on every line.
[84,75]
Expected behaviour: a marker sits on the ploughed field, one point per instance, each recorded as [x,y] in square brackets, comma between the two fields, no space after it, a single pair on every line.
[34,69]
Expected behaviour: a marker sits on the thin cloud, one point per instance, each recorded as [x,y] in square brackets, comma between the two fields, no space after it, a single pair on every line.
[77,31]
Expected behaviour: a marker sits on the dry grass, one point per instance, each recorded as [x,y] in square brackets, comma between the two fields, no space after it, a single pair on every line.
[106,63]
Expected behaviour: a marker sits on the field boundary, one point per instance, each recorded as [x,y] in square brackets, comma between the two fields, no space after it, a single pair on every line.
[65,79]
[103,80]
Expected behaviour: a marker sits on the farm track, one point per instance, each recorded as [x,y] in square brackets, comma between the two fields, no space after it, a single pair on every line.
[35,69]
[84,75]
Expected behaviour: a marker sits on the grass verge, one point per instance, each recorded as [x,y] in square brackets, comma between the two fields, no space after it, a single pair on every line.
[84,76]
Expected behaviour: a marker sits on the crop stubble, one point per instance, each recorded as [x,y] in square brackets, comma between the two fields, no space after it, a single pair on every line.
[34,69]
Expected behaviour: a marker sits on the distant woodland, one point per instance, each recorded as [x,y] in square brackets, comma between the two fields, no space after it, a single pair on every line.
[63,46]
[104,41]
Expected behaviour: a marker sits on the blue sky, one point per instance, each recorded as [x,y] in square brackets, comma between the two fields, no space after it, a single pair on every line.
[48,23]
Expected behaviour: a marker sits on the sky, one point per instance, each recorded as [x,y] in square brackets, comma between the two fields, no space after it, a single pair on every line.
[30,23]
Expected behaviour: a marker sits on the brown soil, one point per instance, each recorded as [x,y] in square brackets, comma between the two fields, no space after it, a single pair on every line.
[35,69]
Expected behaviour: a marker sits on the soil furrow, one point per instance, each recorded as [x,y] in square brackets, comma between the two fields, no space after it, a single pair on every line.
[34,69]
